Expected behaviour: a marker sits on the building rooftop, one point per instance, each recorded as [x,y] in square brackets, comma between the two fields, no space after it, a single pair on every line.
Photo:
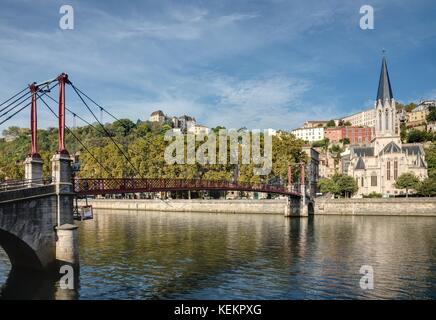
[158,112]
[391,147]
[363,151]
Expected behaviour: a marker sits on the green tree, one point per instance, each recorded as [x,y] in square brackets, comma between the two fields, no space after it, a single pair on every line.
[339,185]
[123,126]
[345,141]
[410,107]
[374,195]
[335,152]
[403,132]
[431,117]
[430,157]
[399,106]
[143,142]
[327,186]
[323,144]
[331,124]
[287,150]
[347,186]
[427,188]
[407,181]
[415,136]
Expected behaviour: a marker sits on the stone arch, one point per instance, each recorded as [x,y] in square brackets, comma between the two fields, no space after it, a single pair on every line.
[310,208]
[21,255]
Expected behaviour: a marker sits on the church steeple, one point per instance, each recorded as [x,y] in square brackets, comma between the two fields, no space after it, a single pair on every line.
[384,85]
[385,110]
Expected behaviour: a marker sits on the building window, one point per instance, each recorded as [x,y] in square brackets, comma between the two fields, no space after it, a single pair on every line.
[373,181]
[395,170]
[380,121]
[387,120]
[362,183]
[388,170]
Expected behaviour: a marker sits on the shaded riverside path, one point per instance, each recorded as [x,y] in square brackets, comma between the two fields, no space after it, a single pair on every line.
[152,255]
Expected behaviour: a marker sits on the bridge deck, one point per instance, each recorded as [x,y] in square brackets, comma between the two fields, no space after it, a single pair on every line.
[112,186]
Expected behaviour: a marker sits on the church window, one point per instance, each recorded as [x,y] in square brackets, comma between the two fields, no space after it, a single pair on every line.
[373,181]
[388,170]
[387,120]
[362,182]
[380,121]
[395,170]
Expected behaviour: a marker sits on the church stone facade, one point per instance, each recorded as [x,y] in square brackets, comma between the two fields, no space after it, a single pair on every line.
[377,166]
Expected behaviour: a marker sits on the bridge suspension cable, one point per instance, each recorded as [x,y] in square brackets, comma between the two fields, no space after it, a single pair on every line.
[101,108]
[22,108]
[18,93]
[77,116]
[14,104]
[87,122]
[78,139]
[107,133]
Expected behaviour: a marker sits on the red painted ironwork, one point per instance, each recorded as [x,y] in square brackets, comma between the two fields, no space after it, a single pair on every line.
[116,186]
[63,78]
[302,177]
[33,123]
[289,175]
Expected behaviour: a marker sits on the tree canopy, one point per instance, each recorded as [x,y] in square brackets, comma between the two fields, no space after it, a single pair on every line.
[144,144]
[407,181]
[340,185]
[431,117]
[331,123]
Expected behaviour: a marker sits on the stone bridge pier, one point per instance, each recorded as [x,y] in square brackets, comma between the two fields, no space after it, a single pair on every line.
[296,207]
[37,229]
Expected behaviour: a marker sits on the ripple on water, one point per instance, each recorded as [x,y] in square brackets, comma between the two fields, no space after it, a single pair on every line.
[216,256]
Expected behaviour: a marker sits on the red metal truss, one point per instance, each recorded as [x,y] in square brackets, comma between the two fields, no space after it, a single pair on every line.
[114,186]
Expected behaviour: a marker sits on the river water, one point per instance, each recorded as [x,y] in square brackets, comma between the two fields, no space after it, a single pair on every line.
[152,255]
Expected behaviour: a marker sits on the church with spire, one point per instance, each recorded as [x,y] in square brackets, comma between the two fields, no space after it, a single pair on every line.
[377,166]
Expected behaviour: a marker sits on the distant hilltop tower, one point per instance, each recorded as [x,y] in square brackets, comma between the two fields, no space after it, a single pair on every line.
[386,119]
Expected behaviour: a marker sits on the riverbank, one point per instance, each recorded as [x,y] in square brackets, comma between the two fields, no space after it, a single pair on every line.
[377,207]
[264,206]
[370,207]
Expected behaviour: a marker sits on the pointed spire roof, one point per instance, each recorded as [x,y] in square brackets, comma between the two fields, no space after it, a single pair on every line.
[360,165]
[384,85]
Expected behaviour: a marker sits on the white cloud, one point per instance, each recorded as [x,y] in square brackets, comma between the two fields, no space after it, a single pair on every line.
[216,62]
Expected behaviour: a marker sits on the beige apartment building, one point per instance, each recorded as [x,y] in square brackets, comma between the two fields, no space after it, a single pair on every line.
[417,118]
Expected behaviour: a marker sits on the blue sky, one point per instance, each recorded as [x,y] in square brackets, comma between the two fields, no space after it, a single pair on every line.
[258,64]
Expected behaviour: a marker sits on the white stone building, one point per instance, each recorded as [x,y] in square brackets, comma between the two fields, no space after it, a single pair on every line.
[376,167]
[364,118]
[199,129]
[157,116]
[309,134]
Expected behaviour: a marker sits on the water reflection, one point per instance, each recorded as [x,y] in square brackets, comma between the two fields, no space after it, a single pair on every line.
[138,255]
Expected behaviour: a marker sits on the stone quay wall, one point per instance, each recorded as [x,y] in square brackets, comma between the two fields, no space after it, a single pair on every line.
[266,206]
[380,207]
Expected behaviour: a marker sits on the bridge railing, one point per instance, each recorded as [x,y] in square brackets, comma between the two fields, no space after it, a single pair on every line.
[21,184]
[103,186]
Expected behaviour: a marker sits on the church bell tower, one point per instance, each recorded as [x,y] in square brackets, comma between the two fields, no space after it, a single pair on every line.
[385,111]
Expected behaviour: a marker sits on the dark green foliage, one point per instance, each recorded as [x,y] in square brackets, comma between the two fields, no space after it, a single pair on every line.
[340,185]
